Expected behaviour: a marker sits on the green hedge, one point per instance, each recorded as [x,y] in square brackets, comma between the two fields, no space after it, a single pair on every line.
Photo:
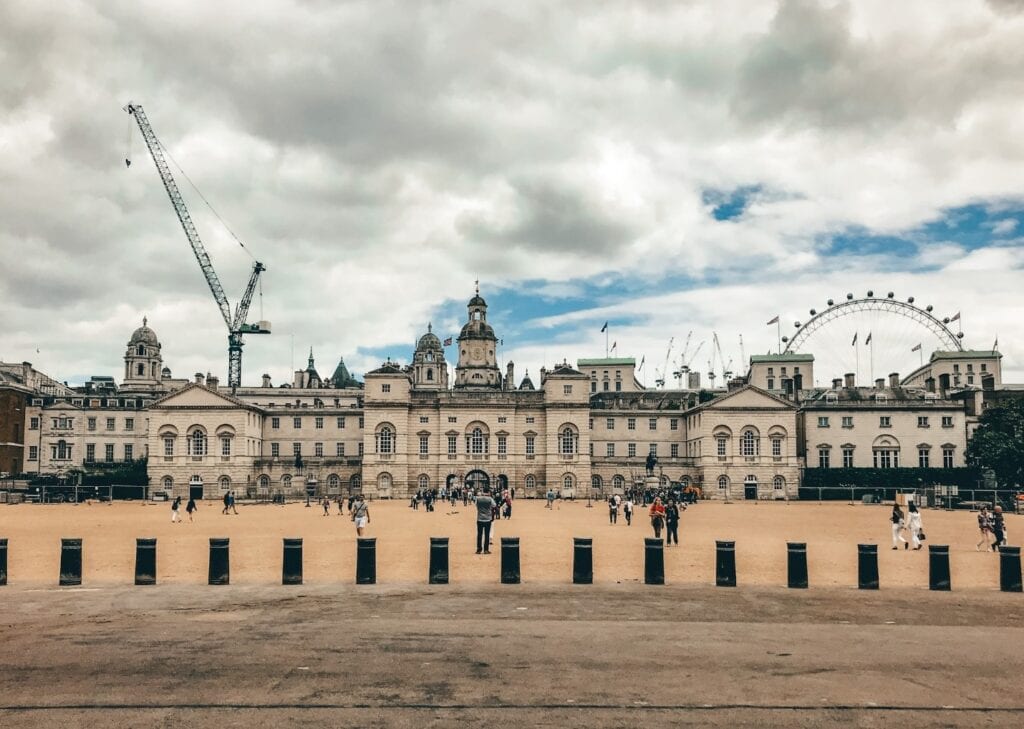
[835,483]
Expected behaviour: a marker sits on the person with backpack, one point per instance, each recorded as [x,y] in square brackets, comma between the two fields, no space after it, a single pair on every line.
[191,508]
[175,506]
[360,514]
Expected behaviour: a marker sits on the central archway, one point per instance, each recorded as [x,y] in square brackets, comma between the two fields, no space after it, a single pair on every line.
[477,480]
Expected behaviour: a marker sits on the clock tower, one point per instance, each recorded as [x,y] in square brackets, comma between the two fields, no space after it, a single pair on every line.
[478,363]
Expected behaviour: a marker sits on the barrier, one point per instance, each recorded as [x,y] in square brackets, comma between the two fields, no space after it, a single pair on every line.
[220,562]
[70,562]
[437,573]
[938,567]
[1009,569]
[796,562]
[366,561]
[145,561]
[510,561]
[867,566]
[3,561]
[725,564]
[291,562]
[654,561]
[582,561]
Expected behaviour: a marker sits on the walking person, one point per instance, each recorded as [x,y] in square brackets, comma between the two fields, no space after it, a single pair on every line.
[657,514]
[613,510]
[914,525]
[191,508]
[326,503]
[551,499]
[360,514]
[627,511]
[484,517]
[672,521]
[175,505]
[231,502]
[985,527]
[227,500]
[341,506]
[897,527]
[998,528]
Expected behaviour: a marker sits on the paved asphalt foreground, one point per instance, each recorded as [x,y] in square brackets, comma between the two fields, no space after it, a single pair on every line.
[508,656]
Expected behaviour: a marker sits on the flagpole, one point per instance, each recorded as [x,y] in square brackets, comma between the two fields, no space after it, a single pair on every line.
[778,333]
[856,366]
[871,357]
[606,340]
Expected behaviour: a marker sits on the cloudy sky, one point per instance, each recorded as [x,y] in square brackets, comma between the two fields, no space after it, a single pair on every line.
[665,167]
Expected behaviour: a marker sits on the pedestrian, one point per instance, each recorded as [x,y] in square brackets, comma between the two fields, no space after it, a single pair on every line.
[341,506]
[327,506]
[672,521]
[613,510]
[175,505]
[627,511]
[551,499]
[507,507]
[998,529]
[191,508]
[227,498]
[484,516]
[512,493]
[360,514]
[897,527]
[914,525]
[231,501]
[657,514]
[985,527]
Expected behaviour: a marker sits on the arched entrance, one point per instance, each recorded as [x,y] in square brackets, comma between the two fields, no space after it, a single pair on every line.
[195,487]
[750,487]
[476,480]
[502,482]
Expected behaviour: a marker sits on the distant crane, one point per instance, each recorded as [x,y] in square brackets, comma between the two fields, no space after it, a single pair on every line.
[236,324]
[663,372]
[721,358]
[684,368]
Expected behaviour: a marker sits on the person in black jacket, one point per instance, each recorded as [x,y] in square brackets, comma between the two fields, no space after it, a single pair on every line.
[672,521]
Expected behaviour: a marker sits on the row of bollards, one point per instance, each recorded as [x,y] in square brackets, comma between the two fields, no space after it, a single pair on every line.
[582,563]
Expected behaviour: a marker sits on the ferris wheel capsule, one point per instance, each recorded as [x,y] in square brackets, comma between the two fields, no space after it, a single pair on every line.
[870,293]
[796,324]
[849,297]
[813,312]
[910,299]
[831,302]
[928,308]
[890,295]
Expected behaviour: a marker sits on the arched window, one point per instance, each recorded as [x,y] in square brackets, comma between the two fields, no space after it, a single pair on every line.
[355,483]
[224,482]
[168,483]
[141,369]
[664,480]
[723,482]
[531,481]
[567,441]
[423,481]
[778,483]
[595,482]
[618,481]
[384,481]
[476,441]
[333,483]
[385,439]
[430,374]
[568,481]
[684,481]
[286,481]
[264,482]
[749,443]
[140,350]
[197,443]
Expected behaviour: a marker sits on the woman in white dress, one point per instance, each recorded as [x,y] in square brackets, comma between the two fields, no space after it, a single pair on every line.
[914,525]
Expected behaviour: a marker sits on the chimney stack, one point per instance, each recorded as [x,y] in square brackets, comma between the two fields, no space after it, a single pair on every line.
[266,381]
[199,378]
[894,380]
[212,381]
[837,382]
[880,383]
[851,379]
[510,376]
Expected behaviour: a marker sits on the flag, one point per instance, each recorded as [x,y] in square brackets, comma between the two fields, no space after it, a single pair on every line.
[604,328]
[916,348]
[995,345]
[644,358]
[868,340]
[854,342]
[955,316]
[774,320]
[448,342]
[614,345]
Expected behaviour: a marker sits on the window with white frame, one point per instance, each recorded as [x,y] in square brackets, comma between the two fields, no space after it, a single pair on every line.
[610,423]
[197,443]
[275,450]
[609,449]
[33,453]
[339,450]
[90,452]
[476,442]
[947,457]
[674,450]
[275,423]
[652,423]
[884,421]
[108,452]
[749,443]
[923,458]
[652,449]
[631,450]
[824,458]
[673,424]
[297,423]
[319,422]
[168,446]
[318,450]
[778,483]
[225,445]
[776,447]
[385,439]
[886,458]
[341,422]
[567,441]
[720,445]
[847,421]
[530,445]
[822,421]
[424,445]
[947,421]
[723,482]
[453,441]
[630,424]
[847,457]
[502,445]
[297,449]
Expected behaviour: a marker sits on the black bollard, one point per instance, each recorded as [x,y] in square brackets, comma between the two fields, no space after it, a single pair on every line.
[220,562]
[510,561]
[437,573]
[1009,569]
[291,562]
[582,561]
[70,562]
[366,561]
[145,561]
[654,561]
[938,567]
[725,564]
[867,566]
[3,561]
[796,557]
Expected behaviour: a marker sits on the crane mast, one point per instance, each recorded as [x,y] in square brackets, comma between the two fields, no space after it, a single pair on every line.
[236,325]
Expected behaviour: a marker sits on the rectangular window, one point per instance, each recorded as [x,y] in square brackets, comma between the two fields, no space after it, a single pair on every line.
[776,447]
[452,419]
[128,452]
[297,423]
[385,388]
[631,450]
[360,421]
[610,423]
[721,446]
[275,423]
[847,421]
[225,446]
[452,444]
[652,424]
[590,424]
[886,458]
[275,450]
[823,458]
[970,379]
[92,423]
[630,424]
[129,423]
[566,389]
[502,445]
[529,445]
[947,457]
[108,452]
[424,444]
[591,448]
[822,421]
[339,450]
[360,449]
[922,421]
[674,450]
[605,386]
[884,421]
[653,449]
[771,383]
[33,424]
[922,458]
[618,386]
[593,386]
[502,419]
[90,452]
[341,422]
[610,450]
[318,450]
[110,423]
[319,423]
[168,447]
[529,419]
[426,419]
[673,424]
[33,453]
[296,449]
[847,457]
[771,371]
[947,421]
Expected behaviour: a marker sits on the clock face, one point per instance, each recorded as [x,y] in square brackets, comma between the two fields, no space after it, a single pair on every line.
[476,353]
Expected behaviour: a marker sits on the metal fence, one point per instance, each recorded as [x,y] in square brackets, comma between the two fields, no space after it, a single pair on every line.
[940,497]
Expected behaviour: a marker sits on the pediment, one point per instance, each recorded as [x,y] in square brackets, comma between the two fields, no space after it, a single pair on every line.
[749,397]
[197,396]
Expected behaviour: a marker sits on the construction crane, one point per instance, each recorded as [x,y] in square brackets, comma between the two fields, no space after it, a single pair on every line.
[236,324]
[678,372]
[721,358]
[684,364]
[663,372]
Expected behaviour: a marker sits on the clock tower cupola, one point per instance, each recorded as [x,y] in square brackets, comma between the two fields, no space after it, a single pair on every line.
[478,363]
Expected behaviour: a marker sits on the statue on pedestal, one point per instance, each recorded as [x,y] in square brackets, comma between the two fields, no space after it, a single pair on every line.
[652,461]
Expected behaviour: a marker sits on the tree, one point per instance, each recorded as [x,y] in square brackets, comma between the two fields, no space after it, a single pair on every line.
[998,443]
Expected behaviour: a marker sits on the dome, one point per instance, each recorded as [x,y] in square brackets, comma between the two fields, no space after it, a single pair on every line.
[477,329]
[428,340]
[144,335]
[477,300]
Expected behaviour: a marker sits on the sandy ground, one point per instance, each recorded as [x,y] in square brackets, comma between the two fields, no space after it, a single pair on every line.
[760,530]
